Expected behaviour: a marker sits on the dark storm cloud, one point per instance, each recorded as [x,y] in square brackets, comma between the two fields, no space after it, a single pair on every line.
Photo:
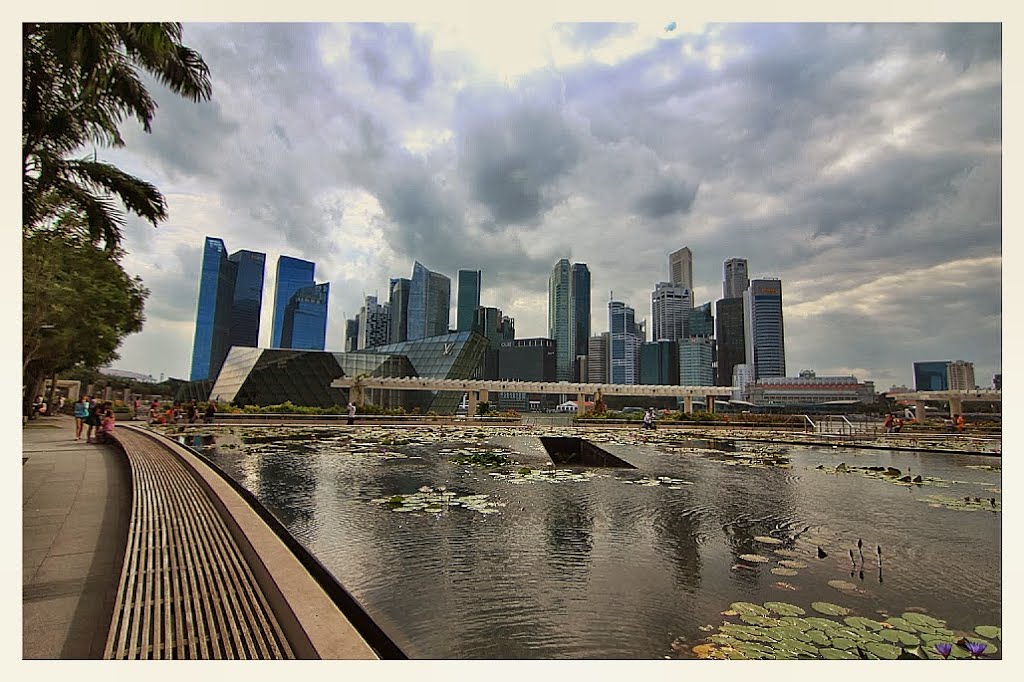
[513,162]
[394,57]
[667,199]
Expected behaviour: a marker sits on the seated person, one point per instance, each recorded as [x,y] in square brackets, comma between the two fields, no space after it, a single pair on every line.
[107,426]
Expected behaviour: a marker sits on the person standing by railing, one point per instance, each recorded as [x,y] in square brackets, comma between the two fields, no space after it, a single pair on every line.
[81,412]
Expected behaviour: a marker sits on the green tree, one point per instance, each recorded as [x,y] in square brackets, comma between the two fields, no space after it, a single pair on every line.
[78,305]
[79,82]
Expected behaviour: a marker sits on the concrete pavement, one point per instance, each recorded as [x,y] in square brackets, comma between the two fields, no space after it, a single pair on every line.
[75,510]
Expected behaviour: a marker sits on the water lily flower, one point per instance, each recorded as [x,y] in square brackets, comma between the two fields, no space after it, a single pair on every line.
[944,648]
[975,647]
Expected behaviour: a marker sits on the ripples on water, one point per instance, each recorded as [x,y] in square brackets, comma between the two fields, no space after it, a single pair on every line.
[606,569]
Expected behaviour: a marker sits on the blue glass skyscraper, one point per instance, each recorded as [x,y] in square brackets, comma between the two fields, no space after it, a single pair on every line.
[304,323]
[763,328]
[624,340]
[469,299]
[228,310]
[579,312]
[292,274]
[429,302]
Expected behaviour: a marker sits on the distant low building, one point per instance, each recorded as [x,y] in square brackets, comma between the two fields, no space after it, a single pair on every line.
[810,389]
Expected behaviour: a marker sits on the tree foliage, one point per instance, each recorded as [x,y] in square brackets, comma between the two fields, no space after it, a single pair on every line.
[79,82]
[78,304]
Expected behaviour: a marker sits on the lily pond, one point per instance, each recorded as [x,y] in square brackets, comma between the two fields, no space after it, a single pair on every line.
[467,542]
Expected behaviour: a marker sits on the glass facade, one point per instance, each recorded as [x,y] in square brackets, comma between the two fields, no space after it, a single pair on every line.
[292,274]
[763,328]
[730,337]
[304,324]
[470,282]
[399,307]
[248,298]
[559,327]
[624,342]
[680,267]
[659,363]
[736,279]
[429,303]
[669,303]
[696,355]
[931,376]
[699,322]
[579,296]
[213,313]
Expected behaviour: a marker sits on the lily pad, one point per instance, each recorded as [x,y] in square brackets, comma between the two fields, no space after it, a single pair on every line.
[742,607]
[863,623]
[761,621]
[843,643]
[901,624]
[784,609]
[842,585]
[792,553]
[756,558]
[883,650]
[818,637]
[768,540]
[829,609]
[784,571]
[919,619]
[899,637]
[989,631]
[838,654]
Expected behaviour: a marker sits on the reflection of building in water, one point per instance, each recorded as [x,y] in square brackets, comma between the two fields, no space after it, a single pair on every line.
[569,534]
[264,376]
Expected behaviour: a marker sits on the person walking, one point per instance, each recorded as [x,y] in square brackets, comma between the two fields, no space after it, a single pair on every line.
[81,412]
[888,422]
[351,413]
[649,418]
[92,421]
[211,411]
[959,423]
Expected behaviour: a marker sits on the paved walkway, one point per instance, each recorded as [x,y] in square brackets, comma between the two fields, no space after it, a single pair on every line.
[75,511]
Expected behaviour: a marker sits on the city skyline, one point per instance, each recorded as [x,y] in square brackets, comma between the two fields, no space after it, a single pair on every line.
[870,184]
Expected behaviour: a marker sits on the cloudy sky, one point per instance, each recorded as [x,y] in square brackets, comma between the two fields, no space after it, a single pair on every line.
[861,164]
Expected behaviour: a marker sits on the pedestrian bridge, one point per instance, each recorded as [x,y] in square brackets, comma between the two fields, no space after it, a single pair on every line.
[479,389]
[955,398]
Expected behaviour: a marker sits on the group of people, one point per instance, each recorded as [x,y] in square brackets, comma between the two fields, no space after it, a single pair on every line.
[175,412]
[892,423]
[95,417]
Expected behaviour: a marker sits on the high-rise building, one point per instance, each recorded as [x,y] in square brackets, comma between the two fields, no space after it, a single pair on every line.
[374,324]
[559,324]
[742,377]
[527,360]
[763,328]
[737,278]
[398,303]
[729,338]
[931,376]
[597,359]
[579,311]
[699,322]
[304,323]
[429,303]
[352,335]
[228,308]
[668,305]
[470,282]
[292,274]
[696,358]
[680,267]
[960,376]
[659,363]
[625,337]
[498,329]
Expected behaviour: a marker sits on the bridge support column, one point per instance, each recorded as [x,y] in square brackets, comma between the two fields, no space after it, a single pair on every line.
[919,411]
[687,404]
[581,403]
[471,400]
[956,406]
[709,400]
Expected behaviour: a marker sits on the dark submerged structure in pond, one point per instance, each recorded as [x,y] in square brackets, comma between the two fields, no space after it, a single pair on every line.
[580,452]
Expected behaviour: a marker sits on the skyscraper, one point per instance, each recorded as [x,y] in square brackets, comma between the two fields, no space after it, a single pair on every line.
[497,329]
[680,266]
[579,311]
[228,308]
[659,363]
[304,323]
[597,359]
[763,328]
[399,304]
[624,339]
[699,322]
[730,337]
[737,278]
[669,302]
[960,376]
[931,376]
[696,358]
[292,274]
[559,324]
[374,324]
[470,282]
[429,303]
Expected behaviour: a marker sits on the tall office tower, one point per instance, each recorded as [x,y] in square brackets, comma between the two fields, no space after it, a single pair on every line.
[559,323]
[737,278]
[696,361]
[597,359]
[304,323]
[579,313]
[398,302]
[429,303]
[680,267]
[352,335]
[497,329]
[470,283]
[931,375]
[292,274]
[763,328]
[699,322]
[960,376]
[228,309]
[668,305]
[729,337]
[742,377]
[374,324]
[625,337]
[659,363]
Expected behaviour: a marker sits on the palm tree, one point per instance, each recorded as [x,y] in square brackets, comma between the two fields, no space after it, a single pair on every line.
[79,82]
